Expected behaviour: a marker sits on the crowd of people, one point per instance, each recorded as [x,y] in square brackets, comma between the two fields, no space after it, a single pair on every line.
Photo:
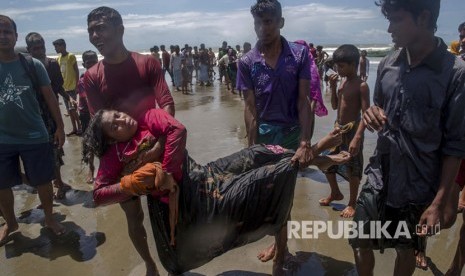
[124,109]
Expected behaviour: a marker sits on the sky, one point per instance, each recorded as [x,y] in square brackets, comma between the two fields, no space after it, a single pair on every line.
[153,22]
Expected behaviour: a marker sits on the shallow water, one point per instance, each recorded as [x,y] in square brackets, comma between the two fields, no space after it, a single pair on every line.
[96,242]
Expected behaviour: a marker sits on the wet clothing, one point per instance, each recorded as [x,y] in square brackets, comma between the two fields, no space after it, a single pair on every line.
[20,115]
[425,113]
[276,90]
[133,86]
[287,137]
[425,121]
[153,124]
[204,65]
[371,206]
[175,64]
[355,164]
[315,85]
[37,160]
[225,204]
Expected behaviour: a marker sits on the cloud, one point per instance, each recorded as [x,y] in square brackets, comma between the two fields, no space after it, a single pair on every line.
[319,23]
[14,12]
[236,26]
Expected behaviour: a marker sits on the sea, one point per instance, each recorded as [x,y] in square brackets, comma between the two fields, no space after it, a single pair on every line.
[375,54]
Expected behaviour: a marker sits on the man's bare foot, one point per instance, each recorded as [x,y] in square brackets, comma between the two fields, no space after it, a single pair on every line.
[57,228]
[348,212]
[6,231]
[420,260]
[267,254]
[327,200]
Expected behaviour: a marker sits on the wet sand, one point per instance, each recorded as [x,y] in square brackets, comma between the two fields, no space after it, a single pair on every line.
[96,242]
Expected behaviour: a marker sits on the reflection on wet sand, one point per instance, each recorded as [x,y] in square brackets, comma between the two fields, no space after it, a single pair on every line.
[96,241]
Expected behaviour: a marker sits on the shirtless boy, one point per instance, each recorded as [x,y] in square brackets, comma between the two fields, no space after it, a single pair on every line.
[352,97]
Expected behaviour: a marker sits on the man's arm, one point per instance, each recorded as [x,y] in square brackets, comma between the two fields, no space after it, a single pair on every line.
[250,116]
[52,104]
[303,153]
[439,210]
[304,111]
[354,146]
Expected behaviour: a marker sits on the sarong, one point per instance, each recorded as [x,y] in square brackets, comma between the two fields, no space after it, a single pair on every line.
[225,204]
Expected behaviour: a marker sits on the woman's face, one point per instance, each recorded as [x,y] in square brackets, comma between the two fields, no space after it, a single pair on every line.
[118,126]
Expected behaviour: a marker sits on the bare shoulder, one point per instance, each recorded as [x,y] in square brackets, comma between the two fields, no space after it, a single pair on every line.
[364,85]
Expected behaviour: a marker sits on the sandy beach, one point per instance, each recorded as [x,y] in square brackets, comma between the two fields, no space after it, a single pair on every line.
[96,242]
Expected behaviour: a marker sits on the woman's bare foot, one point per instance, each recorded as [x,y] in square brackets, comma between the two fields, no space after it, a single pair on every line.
[421,260]
[6,231]
[327,200]
[348,212]
[267,254]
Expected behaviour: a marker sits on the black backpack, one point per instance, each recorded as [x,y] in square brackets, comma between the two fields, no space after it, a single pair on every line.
[28,65]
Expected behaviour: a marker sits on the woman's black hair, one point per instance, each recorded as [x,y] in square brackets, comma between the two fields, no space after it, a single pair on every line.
[94,141]
[415,7]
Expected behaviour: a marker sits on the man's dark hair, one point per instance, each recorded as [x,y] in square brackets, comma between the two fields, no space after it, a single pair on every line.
[109,14]
[34,38]
[347,53]
[89,55]
[4,17]
[415,7]
[263,7]
[461,27]
[59,41]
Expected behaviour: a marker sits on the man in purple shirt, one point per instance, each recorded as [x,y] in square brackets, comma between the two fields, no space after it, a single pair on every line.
[275,78]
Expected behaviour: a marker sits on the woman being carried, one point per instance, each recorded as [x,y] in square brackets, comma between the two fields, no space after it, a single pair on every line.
[197,212]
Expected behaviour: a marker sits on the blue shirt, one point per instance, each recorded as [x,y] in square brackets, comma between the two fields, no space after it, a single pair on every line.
[425,107]
[276,90]
[20,119]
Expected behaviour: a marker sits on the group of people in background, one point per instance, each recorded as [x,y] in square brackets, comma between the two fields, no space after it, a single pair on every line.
[412,175]
[183,64]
